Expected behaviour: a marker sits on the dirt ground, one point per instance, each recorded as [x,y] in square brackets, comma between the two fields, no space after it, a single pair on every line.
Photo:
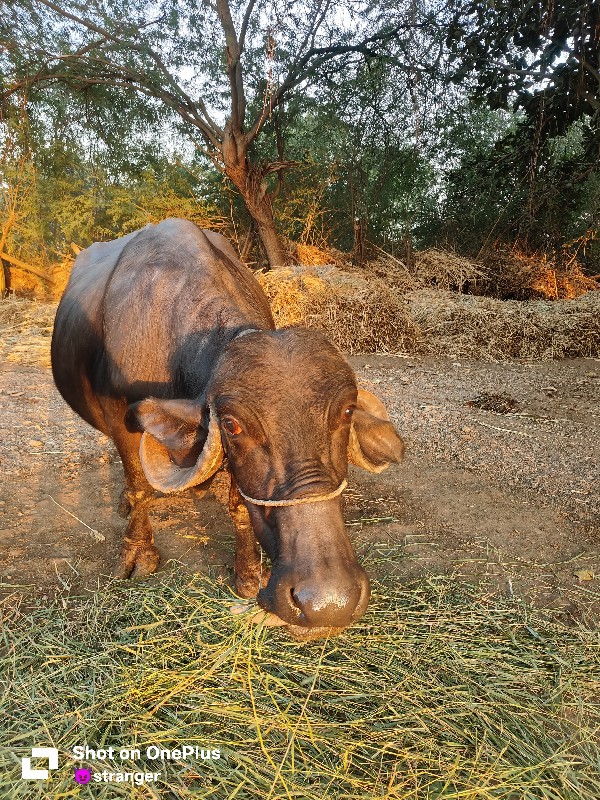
[504,489]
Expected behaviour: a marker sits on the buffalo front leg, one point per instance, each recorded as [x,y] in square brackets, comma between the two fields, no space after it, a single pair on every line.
[139,556]
[249,572]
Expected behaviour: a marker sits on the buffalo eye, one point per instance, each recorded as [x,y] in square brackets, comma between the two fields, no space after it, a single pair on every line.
[231,426]
[347,413]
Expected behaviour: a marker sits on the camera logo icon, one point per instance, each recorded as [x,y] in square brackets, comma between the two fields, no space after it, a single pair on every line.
[28,774]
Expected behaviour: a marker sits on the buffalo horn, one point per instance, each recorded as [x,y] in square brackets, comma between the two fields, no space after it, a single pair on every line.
[164,475]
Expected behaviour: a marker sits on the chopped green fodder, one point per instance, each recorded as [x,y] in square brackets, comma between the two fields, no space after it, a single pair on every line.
[441,691]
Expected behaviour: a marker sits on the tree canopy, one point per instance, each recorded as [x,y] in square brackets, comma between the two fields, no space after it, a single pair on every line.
[462,123]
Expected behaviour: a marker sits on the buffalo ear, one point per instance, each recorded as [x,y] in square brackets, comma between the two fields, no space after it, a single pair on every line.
[374,443]
[176,450]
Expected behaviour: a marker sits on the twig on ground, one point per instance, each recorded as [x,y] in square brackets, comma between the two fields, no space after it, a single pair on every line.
[504,430]
[99,537]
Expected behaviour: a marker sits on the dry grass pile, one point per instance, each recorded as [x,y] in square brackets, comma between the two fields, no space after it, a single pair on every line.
[309,255]
[388,269]
[440,269]
[358,315]
[439,691]
[59,276]
[500,273]
[481,327]
[520,276]
[362,315]
[443,269]
[369,315]
[26,284]
[26,331]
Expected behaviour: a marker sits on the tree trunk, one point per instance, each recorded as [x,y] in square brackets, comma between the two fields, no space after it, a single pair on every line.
[249,180]
[268,234]
[254,194]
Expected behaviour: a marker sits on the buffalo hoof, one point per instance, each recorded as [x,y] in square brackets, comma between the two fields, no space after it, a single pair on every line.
[138,563]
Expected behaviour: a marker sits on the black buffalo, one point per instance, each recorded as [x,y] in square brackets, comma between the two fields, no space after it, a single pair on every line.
[165,342]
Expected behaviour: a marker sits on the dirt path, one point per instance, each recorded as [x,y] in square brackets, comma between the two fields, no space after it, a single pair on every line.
[512,498]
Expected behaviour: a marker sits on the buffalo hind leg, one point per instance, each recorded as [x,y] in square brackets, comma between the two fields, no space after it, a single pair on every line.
[249,571]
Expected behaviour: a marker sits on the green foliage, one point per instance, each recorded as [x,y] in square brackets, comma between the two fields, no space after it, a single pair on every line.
[535,56]
[359,153]
[59,190]
[493,194]
[476,123]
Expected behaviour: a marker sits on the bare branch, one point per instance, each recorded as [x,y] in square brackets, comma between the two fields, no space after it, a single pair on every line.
[234,71]
[121,79]
[18,264]
[592,100]
[175,85]
[592,70]
[310,63]
[87,23]
[245,23]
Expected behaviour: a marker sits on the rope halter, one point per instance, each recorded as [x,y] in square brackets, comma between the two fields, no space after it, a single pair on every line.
[317,498]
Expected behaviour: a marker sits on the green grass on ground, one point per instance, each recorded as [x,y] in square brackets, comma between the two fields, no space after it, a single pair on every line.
[441,691]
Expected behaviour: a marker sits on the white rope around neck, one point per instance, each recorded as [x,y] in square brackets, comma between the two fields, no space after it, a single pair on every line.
[299,501]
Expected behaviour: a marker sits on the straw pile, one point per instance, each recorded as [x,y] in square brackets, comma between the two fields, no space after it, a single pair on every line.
[358,315]
[363,314]
[309,255]
[521,276]
[433,268]
[482,328]
[440,691]
[59,277]
[370,315]
[26,331]
[446,270]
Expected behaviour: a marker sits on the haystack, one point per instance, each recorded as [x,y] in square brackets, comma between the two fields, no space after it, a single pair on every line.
[522,276]
[455,325]
[443,269]
[26,331]
[356,314]
[309,255]
[440,269]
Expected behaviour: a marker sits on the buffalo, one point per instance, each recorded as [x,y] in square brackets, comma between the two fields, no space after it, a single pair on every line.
[165,342]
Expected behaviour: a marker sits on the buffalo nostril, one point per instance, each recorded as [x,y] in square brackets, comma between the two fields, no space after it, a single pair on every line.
[295,602]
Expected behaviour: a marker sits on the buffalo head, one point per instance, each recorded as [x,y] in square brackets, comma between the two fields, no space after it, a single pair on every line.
[284,409]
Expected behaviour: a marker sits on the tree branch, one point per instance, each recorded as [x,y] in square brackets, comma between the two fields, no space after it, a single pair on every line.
[16,262]
[143,49]
[123,80]
[592,70]
[306,66]
[245,23]
[238,100]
